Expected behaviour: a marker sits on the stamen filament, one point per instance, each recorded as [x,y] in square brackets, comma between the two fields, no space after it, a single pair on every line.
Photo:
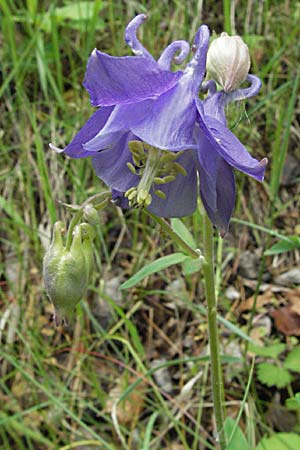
[154,167]
[139,196]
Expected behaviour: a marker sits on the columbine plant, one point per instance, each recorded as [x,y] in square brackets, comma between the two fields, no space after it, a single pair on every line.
[153,138]
[142,100]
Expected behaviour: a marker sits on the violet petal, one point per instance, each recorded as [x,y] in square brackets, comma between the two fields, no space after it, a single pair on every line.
[198,62]
[217,191]
[251,91]
[87,132]
[181,194]
[110,165]
[119,199]
[229,147]
[168,55]
[170,122]
[131,37]
[113,80]
[122,119]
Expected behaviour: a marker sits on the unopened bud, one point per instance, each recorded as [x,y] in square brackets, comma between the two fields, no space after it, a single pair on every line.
[228,61]
[66,272]
[90,214]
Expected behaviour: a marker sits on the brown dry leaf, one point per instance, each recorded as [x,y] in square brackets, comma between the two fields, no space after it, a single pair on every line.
[129,409]
[264,299]
[287,321]
[293,295]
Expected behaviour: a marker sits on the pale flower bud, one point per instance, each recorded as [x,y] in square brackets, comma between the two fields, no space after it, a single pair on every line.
[90,214]
[228,61]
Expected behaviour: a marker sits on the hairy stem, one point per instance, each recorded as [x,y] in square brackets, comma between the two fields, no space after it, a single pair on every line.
[216,371]
[208,269]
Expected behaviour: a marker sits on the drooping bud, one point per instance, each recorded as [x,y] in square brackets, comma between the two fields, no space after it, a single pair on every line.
[228,61]
[90,214]
[66,272]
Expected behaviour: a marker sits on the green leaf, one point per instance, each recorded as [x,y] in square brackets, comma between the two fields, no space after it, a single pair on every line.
[292,361]
[271,351]
[129,324]
[191,265]
[280,441]
[75,13]
[272,375]
[286,245]
[253,40]
[155,266]
[293,403]
[234,436]
[148,433]
[179,227]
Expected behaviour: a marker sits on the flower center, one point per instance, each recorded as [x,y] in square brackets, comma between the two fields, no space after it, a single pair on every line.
[154,167]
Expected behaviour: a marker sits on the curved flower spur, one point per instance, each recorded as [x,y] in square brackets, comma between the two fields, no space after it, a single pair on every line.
[153,134]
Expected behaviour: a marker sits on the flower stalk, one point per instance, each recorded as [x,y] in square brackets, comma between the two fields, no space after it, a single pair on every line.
[94,201]
[216,371]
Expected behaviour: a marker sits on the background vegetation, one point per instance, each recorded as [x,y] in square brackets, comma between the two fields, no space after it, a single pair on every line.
[131,370]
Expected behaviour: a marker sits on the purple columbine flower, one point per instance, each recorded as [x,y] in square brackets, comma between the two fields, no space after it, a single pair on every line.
[153,134]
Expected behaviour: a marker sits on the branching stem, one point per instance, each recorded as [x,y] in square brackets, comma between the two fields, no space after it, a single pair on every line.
[94,201]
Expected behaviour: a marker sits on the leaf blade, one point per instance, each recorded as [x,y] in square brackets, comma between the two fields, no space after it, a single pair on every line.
[155,266]
[185,234]
[272,375]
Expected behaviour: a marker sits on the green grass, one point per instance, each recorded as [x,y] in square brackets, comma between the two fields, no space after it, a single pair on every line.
[56,384]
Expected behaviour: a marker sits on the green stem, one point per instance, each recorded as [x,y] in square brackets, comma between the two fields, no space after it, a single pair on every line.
[208,269]
[227,14]
[216,371]
[174,236]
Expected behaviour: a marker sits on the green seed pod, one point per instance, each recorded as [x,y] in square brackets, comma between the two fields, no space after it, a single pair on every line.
[66,272]
[88,235]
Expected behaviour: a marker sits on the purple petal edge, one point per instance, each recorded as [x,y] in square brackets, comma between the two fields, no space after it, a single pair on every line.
[229,147]
[89,130]
[114,80]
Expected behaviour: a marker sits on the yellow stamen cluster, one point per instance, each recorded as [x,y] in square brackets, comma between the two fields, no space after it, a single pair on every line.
[154,167]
